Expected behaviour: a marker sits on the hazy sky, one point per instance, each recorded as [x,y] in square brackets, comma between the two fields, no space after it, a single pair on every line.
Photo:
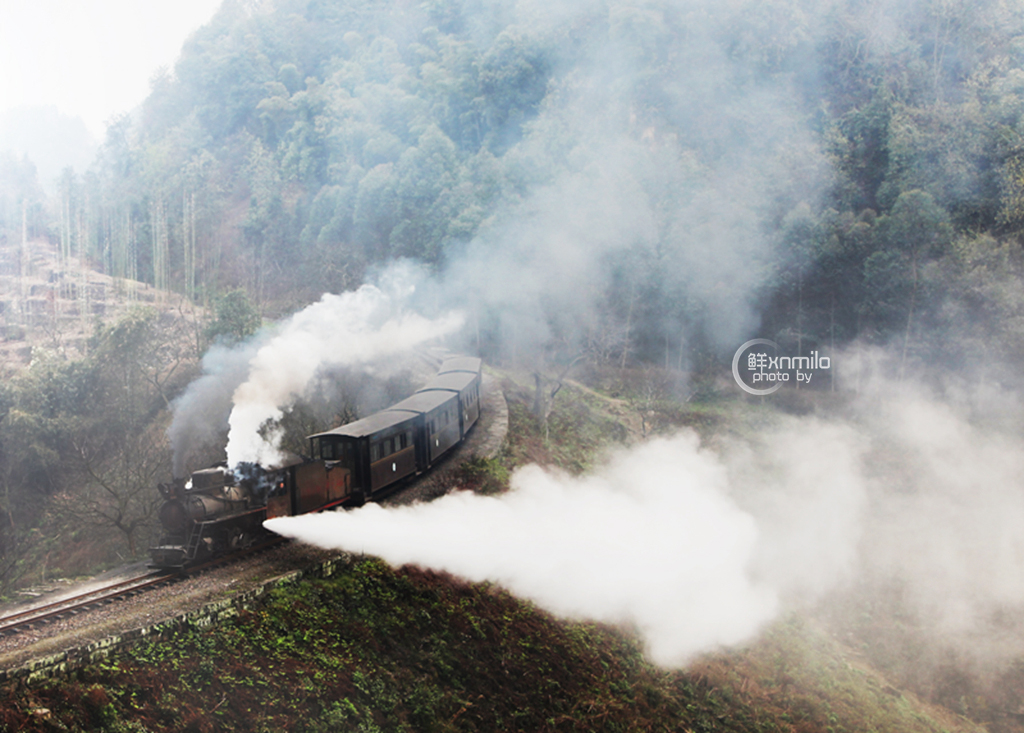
[90,58]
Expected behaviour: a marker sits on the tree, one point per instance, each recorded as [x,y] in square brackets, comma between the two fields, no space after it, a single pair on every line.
[119,468]
[236,318]
[116,450]
[513,79]
[545,391]
[9,540]
[916,230]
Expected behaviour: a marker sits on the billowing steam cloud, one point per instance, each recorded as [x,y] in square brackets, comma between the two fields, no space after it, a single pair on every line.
[342,329]
[699,548]
[655,538]
[948,502]
[642,183]
[201,413]
[248,387]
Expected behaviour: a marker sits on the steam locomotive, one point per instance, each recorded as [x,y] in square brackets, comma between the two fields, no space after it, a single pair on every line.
[220,509]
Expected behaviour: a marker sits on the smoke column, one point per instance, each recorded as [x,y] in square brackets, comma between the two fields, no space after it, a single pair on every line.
[699,548]
[247,388]
[339,330]
[201,413]
[653,539]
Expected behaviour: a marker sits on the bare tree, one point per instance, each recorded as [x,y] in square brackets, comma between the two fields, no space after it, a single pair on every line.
[545,390]
[116,452]
[117,482]
[645,398]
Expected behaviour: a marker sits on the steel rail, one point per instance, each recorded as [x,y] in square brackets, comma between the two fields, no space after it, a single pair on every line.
[55,609]
[30,617]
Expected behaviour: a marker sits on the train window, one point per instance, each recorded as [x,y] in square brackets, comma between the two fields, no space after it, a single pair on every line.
[401,441]
[375,452]
[387,448]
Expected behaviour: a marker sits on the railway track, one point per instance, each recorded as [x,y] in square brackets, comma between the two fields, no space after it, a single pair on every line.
[73,605]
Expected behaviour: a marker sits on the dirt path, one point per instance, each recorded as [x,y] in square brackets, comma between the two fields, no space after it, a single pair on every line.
[621,411]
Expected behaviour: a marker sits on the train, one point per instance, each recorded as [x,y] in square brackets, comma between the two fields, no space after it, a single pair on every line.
[223,508]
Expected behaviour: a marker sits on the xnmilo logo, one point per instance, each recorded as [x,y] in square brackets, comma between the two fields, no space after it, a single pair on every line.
[759,369]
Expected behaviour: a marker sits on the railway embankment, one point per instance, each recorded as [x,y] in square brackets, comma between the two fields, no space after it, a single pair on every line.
[67,661]
[61,647]
[367,647]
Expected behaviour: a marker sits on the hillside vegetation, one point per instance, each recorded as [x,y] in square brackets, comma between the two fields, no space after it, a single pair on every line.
[379,649]
[618,193]
[834,171]
[636,184]
[382,650]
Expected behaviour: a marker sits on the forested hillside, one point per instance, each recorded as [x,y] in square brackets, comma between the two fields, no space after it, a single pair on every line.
[821,171]
[639,183]
[629,189]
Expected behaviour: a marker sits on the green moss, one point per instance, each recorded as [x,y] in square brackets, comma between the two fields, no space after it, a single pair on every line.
[484,475]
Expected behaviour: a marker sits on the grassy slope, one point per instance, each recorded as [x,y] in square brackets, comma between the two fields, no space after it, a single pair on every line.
[380,649]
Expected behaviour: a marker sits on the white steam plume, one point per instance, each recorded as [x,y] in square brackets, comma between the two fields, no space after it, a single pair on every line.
[339,330]
[698,548]
[201,413]
[654,539]
[947,513]
[246,387]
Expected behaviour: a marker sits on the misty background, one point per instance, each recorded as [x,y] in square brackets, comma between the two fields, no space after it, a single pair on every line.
[635,185]
[650,181]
